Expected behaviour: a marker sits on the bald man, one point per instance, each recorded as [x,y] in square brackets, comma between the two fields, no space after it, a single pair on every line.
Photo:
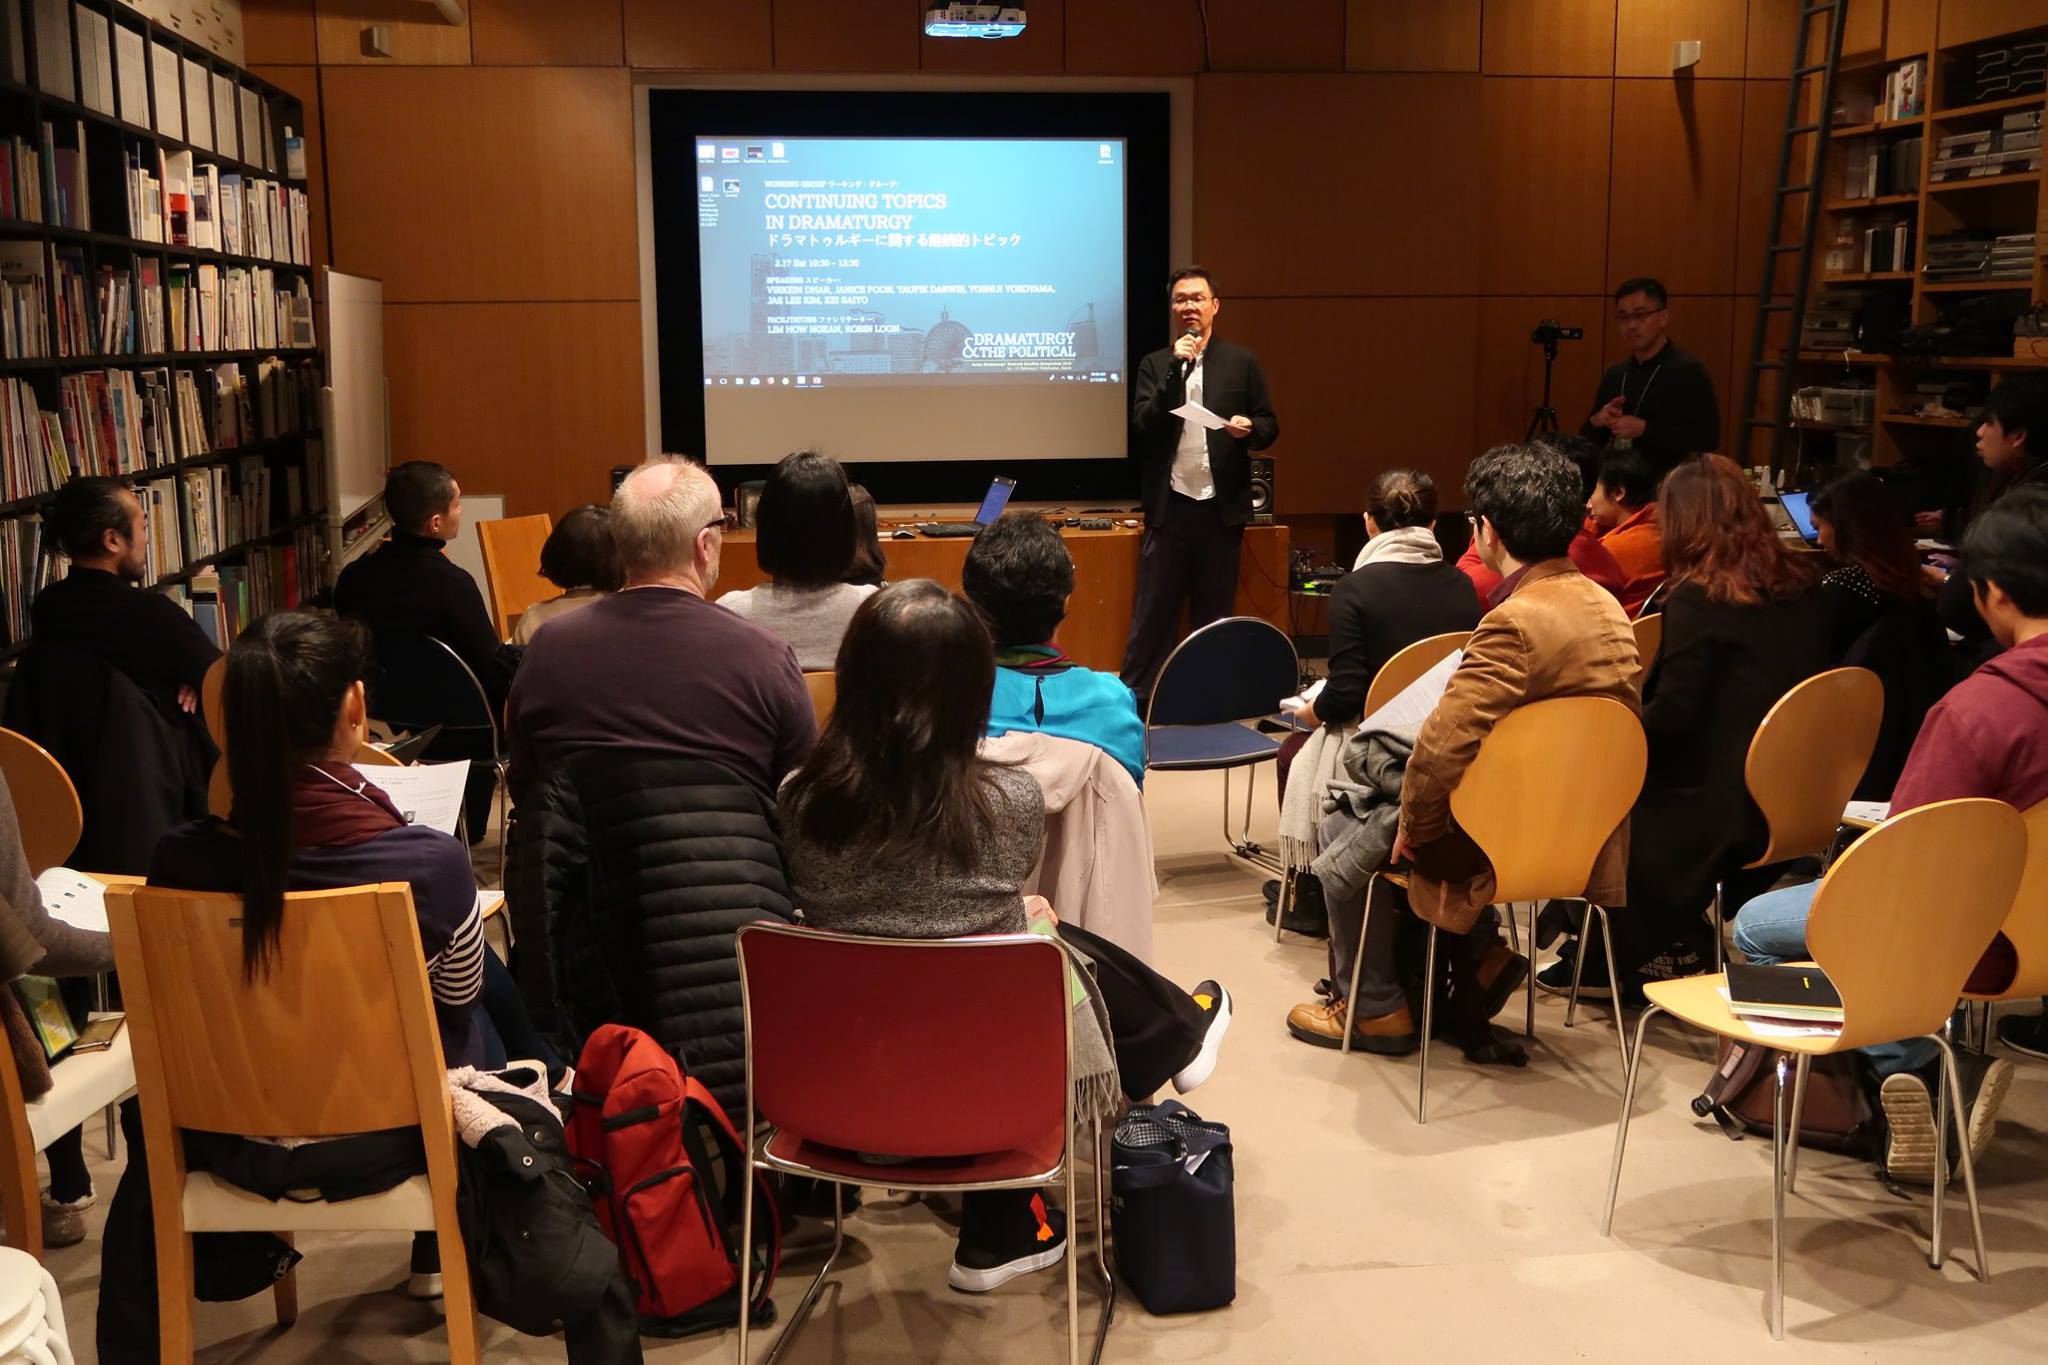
[656,668]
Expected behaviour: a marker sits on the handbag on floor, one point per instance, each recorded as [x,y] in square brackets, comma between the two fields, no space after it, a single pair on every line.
[1838,1116]
[1173,1208]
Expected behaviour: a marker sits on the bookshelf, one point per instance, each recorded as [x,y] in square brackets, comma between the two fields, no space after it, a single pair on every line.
[156,308]
[1892,171]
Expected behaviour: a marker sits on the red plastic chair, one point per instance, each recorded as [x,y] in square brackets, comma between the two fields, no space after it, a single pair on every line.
[956,1053]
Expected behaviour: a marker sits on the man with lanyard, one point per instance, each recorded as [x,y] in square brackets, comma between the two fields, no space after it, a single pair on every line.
[1660,400]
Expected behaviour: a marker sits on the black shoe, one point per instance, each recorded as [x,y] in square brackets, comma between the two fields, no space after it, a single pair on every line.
[1271,891]
[425,1280]
[2025,1034]
[976,1270]
[1555,919]
[1556,979]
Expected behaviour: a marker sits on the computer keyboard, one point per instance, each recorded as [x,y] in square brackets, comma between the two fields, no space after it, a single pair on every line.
[950,528]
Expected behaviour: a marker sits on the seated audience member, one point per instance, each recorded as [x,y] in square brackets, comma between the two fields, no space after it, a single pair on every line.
[1624,510]
[2012,442]
[1399,591]
[33,940]
[804,539]
[1987,738]
[898,827]
[580,559]
[1553,633]
[1018,572]
[1881,614]
[655,667]
[1587,553]
[101,606]
[409,586]
[869,569]
[1743,625]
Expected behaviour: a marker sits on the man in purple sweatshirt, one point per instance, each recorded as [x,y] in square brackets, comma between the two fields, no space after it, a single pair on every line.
[1987,737]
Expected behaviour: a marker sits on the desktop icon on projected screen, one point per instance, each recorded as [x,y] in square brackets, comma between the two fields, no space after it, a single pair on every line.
[732,187]
[728,154]
[755,153]
[705,182]
[707,152]
[775,150]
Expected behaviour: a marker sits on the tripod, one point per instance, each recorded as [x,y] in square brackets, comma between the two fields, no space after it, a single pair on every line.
[1544,423]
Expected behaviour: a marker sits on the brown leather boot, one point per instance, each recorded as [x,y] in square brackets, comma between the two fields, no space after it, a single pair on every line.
[1321,1024]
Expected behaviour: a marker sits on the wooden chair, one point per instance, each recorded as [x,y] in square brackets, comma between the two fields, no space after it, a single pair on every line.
[824,689]
[2026,925]
[1804,763]
[45,802]
[220,792]
[511,547]
[1394,678]
[1897,924]
[1649,639]
[80,1085]
[1548,787]
[339,1037]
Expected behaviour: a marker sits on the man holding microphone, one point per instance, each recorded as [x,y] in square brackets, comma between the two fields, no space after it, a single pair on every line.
[1195,480]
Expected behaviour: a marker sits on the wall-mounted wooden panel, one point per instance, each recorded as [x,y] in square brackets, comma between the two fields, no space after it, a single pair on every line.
[1646,29]
[536,401]
[1042,47]
[685,35]
[1967,21]
[547,33]
[1134,37]
[1677,151]
[1543,175]
[304,82]
[1548,38]
[1286,205]
[1773,28]
[1763,127]
[1909,27]
[279,33]
[1397,391]
[484,183]
[1862,31]
[419,35]
[1510,377]
[1399,35]
[1259,35]
[1703,327]
[846,35]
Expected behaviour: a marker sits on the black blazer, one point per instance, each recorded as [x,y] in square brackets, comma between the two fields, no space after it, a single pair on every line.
[1232,384]
[1378,611]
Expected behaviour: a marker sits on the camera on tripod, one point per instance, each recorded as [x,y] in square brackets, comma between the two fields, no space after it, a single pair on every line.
[1547,334]
[1550,331]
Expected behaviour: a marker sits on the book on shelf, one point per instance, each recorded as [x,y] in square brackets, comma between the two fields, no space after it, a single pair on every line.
[24,571]
[198,105]
[192,428]
[162,554]
[73,336]
[253,132]
[116,422]
[24,301]
[205,196]
[232,414]
[53,48]
[149,294]
[131,63]
[301,334]
[229,211]
[21,179]
[177,168]
[13,44]
[1905,91]
[114,311]
[95,60]
[65,199]
[145,194]
[170,119]
[226,139]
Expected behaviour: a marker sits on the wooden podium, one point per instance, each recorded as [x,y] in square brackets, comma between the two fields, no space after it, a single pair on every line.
[1105,579]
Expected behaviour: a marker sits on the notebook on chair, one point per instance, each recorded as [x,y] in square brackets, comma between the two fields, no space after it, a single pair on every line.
[1781,992]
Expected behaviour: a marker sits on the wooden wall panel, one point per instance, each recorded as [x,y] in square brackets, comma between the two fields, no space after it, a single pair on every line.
[1134,37]
[486,183]
[700,34]
[304,82]
[279,33]
[1361,384]
[1646,29]
[1548,38]
[1366,215]
[846,35]
[1261,35]
[1543,172]
[1773,29]
[1398,35]
[1510,367]
[1909,27]
[419,36]
[1862,31]
[547,33]
[533,400]
[1966,21]
[1763,128]
[1041,48]
[1677,150]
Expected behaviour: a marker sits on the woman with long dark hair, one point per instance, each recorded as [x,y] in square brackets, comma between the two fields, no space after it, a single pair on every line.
[805,539]
[897,826]
[869,569]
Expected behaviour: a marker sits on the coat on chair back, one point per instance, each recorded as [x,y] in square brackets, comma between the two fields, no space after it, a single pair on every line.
[629,876]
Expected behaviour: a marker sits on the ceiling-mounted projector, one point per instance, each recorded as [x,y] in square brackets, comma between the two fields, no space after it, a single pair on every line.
[973,21]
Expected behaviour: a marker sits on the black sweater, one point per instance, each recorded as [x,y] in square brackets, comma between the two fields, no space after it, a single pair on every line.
[142,633]
[1381,609]
[1673,394]
[410,586]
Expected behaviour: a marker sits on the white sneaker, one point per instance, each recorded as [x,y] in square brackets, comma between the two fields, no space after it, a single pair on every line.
[1215,1002]
[1909,1116]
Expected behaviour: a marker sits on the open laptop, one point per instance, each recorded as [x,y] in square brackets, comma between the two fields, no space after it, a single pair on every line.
[992,505]
[1798,507]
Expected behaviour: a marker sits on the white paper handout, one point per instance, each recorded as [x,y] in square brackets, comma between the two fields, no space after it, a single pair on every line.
[1412,704]
[1194,412]
[1868,812]
[1304,697]
[425,793]
[80,901]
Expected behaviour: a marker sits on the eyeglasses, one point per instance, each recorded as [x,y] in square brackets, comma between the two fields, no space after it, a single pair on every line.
[724,522]
[1626,318]
[1180,300]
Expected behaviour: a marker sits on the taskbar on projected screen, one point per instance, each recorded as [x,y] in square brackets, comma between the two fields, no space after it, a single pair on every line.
[888,381]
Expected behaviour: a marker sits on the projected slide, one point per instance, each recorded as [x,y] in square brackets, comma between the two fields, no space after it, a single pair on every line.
[910,262]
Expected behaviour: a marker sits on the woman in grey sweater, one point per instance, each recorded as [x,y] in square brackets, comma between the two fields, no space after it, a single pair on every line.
[804,540]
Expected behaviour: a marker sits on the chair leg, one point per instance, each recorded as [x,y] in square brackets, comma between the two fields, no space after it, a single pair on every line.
[1778,1200]
[501,795]
[286,1291]
[1428,1023]
[1529,981]
[1628,1099]
[817,1285]
[1955,1103]
[174,1296]
[1102,1179]
[1358,960]
[747,1231]
[1720,931]
[1607,943]
[1251,784]
[1073,1260]
[458,1297]
[1798,1112]
[1571,1002]
[1283,903]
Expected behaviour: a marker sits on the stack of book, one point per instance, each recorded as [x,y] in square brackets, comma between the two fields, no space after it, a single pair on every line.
[145,197]
[191,416]
[114,311]
[162,553]
[21,180]
[1905,91]
[24,571]
[24,295]
[117,421]
[65,201]
[1888,246]
[31,444]
[74,337]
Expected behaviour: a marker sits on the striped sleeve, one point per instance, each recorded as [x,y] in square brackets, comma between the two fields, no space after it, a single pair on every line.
[456,973]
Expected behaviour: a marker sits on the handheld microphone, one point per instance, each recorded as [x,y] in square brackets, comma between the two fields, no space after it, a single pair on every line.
[1187,366]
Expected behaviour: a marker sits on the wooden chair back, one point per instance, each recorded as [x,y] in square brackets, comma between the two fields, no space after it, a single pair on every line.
[1904,914]
[824,689]
[1546,791]
[1408,664]
[45,802]
[19,1182]
[1649,639]
[2027,923]
[1807,757]
[211,708]
[511,547]
[338,1037]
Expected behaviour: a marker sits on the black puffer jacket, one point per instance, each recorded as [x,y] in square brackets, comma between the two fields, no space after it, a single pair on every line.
[628,876]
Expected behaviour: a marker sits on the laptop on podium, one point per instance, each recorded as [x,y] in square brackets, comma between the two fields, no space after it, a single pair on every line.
[992,505]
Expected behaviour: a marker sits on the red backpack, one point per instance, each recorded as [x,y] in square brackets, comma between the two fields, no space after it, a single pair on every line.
[663,1165]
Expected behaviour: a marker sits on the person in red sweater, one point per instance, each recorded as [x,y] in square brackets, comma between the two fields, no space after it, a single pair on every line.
[1587,553]
[1623,508]
[1987,738]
